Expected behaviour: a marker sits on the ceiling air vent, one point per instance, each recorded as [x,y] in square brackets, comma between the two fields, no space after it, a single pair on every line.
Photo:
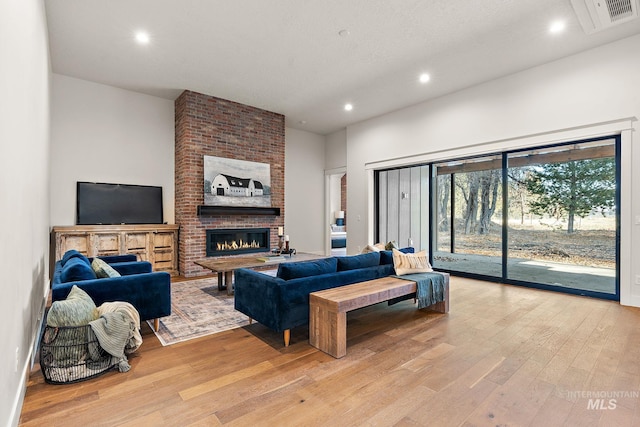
[598,15]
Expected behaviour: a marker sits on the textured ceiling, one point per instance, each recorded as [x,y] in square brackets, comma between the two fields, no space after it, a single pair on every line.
[287,56]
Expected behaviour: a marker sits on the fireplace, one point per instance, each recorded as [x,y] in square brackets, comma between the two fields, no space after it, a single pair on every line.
[236,241]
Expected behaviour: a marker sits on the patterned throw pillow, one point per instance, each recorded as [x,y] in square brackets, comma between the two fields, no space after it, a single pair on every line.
[77,310]
[391,245]
[103,270]
[410,263]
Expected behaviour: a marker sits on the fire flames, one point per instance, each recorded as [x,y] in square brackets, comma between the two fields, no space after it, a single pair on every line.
[234,246]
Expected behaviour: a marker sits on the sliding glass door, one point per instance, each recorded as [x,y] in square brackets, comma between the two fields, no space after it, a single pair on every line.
[469,216]
[403,206]
[562,216]
[545,217]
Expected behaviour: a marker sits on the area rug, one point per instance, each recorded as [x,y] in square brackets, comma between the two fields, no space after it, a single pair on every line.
[198,308]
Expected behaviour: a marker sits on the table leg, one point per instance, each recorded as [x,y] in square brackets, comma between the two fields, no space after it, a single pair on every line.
[228,280]
[328,331]
[220,281]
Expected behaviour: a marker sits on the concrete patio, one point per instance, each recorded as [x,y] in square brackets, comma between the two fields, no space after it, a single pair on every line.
[596,279]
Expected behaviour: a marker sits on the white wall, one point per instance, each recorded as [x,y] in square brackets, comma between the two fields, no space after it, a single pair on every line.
[545,104]
[305,221]
[336,150]
[101,133]
[24,196]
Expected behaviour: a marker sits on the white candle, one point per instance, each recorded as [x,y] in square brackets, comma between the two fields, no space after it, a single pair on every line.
[280,231]
[286,238]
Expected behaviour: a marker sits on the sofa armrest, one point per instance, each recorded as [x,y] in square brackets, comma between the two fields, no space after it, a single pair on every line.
[128,268]
[149,293]
[258,296]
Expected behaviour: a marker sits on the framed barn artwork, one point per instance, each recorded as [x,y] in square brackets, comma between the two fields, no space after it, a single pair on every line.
[231,182]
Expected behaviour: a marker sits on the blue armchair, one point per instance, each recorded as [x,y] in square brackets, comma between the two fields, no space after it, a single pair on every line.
[149,292]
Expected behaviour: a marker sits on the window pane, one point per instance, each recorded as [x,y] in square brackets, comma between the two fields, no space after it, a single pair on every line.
[562,219]
[443,214]
[473,242]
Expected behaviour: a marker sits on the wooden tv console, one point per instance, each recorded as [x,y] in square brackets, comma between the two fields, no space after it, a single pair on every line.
[156,243]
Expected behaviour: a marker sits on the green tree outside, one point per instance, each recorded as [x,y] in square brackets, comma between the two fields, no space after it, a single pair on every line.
[567,190]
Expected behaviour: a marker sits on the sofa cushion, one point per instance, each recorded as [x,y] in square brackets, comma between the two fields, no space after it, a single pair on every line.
[294,270]
[410,263]
[386,257]
[102,269]
[77,310]
[76,269]
[353,262]
[70,254]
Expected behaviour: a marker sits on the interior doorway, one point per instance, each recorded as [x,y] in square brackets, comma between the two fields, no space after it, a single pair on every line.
[337,213]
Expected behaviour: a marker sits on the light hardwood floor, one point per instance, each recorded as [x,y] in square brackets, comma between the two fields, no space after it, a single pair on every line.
[503,356]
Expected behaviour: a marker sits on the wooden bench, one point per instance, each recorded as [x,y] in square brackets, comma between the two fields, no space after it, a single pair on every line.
[328,309]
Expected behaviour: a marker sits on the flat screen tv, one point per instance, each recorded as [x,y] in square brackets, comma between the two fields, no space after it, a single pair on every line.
[100,203]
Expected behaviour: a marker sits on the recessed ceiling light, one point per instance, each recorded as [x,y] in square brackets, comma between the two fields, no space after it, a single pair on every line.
[424,77]
[557,27]
[142,37]
[348,107]
[344,33]
[302,122]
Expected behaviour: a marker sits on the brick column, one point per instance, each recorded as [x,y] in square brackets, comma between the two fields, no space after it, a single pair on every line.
[211,126]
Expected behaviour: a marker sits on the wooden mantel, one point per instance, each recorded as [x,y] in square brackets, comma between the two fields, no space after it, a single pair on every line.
[237,210]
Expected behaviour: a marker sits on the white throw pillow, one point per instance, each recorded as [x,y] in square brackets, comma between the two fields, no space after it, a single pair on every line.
[370,248]
[410,263]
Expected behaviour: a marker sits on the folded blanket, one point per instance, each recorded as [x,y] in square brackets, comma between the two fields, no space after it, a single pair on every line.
[429,287]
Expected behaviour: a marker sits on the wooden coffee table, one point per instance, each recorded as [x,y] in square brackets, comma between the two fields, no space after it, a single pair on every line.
[226,266]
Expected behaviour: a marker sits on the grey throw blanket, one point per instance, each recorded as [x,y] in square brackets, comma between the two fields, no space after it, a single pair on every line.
[429,287]
[113,331]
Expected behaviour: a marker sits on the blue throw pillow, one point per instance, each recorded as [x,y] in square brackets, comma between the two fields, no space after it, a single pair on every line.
[386,257]
[76,269]
[370,259]
[70,254]
[295,270]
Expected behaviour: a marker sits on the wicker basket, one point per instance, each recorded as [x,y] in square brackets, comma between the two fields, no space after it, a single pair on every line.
[72,354]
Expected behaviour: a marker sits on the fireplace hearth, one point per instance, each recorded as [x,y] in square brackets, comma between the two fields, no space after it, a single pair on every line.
[237,241]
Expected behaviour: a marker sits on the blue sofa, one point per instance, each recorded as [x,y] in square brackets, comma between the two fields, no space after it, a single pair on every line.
[149,292]
[282,302]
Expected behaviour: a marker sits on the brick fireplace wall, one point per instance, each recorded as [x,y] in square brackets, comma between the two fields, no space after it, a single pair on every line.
[211,126]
